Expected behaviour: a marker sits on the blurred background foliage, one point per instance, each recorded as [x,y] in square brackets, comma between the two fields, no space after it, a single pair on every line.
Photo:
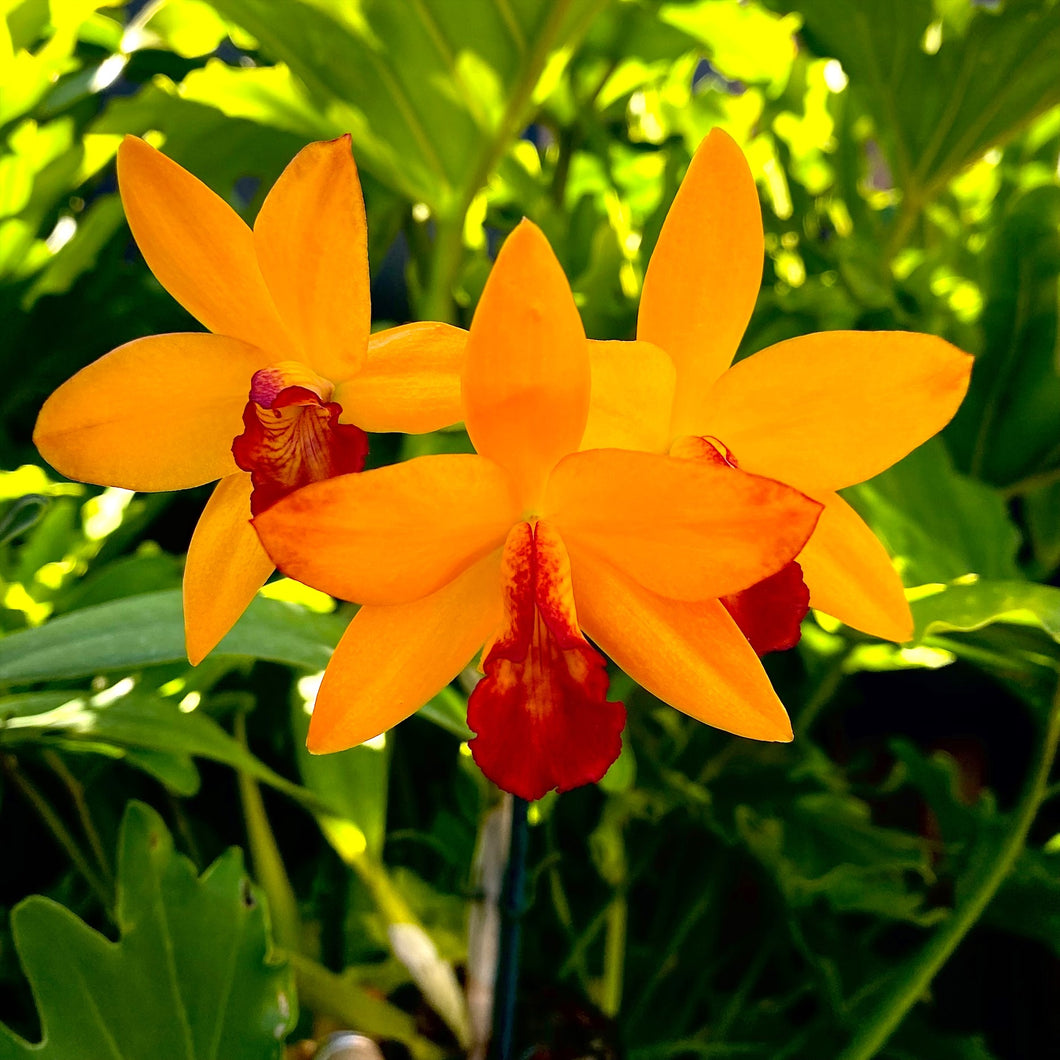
[888,885]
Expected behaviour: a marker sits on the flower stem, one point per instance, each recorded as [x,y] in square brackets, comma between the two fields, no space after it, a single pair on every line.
[614,956]
[512,911]
[269,868]
[447,253]
[910,987]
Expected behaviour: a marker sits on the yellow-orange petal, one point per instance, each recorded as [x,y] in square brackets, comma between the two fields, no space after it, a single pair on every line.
[199,248]
[832,409]
[226,567]
[686,529]
[410,382]
[851,577]
[391,660]
[158,413]
[391,535]
[690,655]
[312,244]
[526,380]
[632,397]
[702,281]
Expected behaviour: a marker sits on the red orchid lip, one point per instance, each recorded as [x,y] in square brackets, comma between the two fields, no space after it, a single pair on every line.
[292,435]
[541,711]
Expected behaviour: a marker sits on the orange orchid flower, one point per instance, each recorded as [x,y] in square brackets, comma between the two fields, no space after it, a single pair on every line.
[527,543]
[279,394]
[818,412]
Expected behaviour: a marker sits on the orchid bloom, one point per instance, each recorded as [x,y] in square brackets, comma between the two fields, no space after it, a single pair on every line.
[279,394]
[818,412]
[527,543]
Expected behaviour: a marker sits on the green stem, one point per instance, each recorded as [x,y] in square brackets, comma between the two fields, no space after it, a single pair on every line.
[907,990]
[1031,482]
[446,256]
[822,695]
[62,835]
[448,250]
[269,868]
[614,956]
[77,794]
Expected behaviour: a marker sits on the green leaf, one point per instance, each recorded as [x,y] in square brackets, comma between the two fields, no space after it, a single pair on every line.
[825,845]
[1028,902]
[1008,428]
[742,40]
[148,629]
[961,608]
[940,99]
[938,524]
[354,781]
[190,976]
[405,69]
[117,722]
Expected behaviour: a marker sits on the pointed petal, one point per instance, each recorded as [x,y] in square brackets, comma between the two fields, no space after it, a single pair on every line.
[541,712]
[226,567]
[391,660]
[410,382]
[702,281]
[312,245]
[391,535]
[632,397]
[526,381]
[690,655]
[199,248]
[158,413]
[683,528]
[832,409]
[850,575]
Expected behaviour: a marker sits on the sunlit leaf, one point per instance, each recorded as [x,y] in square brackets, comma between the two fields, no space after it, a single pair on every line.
[938,524]
[405,70]
[1008,428]
[941,98]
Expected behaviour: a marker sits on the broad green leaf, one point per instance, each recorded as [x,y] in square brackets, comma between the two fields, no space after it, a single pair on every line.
[405,70]
[1028,903]
[745,42]
[121,720]
[825,845]
[148,629]
[938,524]
[940,98]
[961,608]
[190,977]
[218,149]
[1008,428]
[354,781]
[1041,507]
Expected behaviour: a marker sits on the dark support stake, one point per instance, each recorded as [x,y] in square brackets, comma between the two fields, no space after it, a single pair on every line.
[512,912]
